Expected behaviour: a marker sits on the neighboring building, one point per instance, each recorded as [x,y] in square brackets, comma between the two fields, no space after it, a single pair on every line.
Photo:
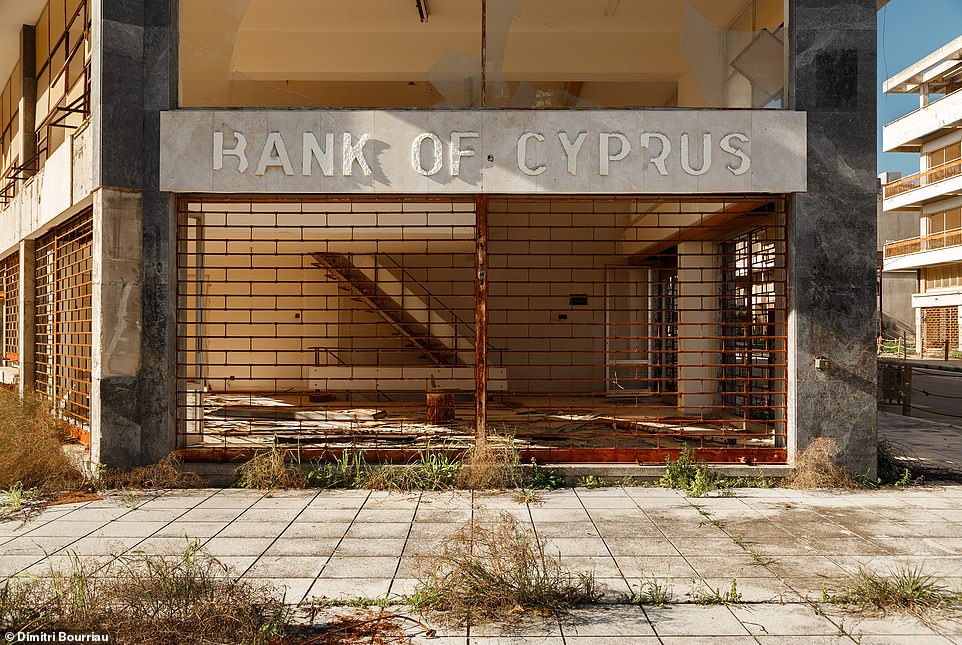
[613,230]
[933,195]
[896,316]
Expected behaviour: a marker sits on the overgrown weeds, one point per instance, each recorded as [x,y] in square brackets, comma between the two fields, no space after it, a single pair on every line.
[815,467]
[488,570]
[168,473]
[908,589]
[650,591]
[154,600]
[434,469]
[697,479]
[593,481]
[709,595]
[541,478]
[31,446]
[490,465]
[890,471]
[272,469]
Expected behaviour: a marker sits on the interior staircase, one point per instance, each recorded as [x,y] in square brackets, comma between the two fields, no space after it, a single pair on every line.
[409,313]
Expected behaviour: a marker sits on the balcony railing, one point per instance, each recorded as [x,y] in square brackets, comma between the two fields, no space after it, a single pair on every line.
[928,243]
[930,176]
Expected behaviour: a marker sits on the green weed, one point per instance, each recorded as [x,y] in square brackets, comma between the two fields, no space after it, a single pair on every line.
[712,596]
[593,481]
[908,589]
[542,478]
[651,592]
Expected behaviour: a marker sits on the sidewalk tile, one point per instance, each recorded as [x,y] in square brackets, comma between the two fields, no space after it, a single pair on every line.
[379,530]
[237,546]
[784,620]
[353,587]
[286,566]
[695,620]
[617,620]
[305,547]
[361,567]
[370,547]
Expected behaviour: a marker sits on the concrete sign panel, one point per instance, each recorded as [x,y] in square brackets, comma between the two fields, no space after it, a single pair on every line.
[490,151]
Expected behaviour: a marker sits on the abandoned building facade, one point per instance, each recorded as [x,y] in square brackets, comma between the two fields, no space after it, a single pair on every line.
[931,257]
[608,229]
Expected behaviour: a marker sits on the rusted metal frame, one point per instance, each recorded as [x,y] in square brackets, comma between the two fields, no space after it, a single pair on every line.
[9,283]
[481,321]
[64,317]
[640,456]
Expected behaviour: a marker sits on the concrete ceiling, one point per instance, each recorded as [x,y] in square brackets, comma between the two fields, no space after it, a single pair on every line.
[13,14]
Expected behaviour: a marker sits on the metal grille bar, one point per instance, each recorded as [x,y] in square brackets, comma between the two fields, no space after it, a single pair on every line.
[10,288]
[64,319]
[617,329]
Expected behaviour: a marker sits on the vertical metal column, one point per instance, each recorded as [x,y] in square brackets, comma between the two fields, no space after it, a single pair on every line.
[28,104]
[481,321]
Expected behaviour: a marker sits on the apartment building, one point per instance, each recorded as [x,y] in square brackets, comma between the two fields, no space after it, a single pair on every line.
[609,229]
[933,196]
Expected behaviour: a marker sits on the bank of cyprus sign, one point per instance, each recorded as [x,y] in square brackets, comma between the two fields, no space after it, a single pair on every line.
[496,151]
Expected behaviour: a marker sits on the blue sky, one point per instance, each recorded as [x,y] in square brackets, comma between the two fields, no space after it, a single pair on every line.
[907,31]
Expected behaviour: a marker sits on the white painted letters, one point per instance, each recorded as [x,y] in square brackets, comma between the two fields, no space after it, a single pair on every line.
[457,152]
[572,150]
[274,154]
[312,151]
[354,152]
[523,154]
[726,145]
[416,161]
[604,150]
[686,155]
[659,161]
[237,151]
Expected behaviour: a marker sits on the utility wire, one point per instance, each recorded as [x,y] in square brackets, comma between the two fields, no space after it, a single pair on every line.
[941,396]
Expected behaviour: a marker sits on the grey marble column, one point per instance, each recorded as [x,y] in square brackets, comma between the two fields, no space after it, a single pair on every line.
[832,229]
[134,78]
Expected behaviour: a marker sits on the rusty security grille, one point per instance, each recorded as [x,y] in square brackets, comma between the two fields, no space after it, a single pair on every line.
[64,319]
[585,329]
[10,304]
[940,326]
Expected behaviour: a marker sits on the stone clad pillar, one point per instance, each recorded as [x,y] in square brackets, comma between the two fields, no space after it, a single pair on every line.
[115,426]
[832,230]
[133,79]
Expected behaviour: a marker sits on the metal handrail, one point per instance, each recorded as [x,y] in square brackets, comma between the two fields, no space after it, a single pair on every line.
[430,296]
[931,176]
[940,240]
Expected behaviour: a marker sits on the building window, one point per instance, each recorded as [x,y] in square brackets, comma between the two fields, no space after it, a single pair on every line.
[942,277]
[10,135]
[537,53]
[63,73]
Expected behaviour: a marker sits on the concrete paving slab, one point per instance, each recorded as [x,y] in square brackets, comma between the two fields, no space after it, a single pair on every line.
[695,621]
[360,567]
[622,620]
[784,620]
[348,587]
[286,566]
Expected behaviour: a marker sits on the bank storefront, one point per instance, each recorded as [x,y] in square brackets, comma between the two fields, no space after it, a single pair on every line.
[602,285]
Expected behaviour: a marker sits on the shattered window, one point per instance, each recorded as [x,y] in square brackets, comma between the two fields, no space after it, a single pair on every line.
[536,54]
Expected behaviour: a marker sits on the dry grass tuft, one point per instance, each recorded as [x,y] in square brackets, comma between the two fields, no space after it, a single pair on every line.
[907,589]
[490,466]
[815,467]
[497,570]
[168,473]
[31,446]
[271,470]
[151,600]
